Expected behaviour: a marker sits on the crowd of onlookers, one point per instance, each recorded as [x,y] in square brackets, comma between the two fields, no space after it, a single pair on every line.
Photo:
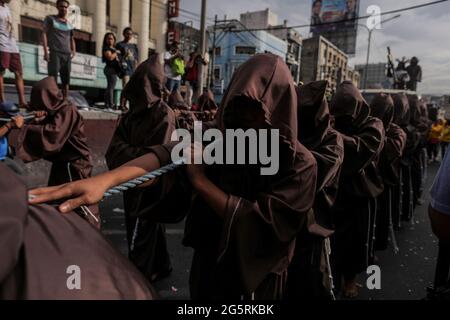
[439,137]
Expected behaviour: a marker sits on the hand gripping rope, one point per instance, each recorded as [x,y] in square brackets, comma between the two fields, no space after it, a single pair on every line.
[26,117]
[143,179]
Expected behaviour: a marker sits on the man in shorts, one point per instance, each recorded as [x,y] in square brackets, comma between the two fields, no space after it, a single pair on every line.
[9,53]
[59,45]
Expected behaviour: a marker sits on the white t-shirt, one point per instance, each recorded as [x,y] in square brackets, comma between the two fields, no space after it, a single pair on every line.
[167,67]
[7,41]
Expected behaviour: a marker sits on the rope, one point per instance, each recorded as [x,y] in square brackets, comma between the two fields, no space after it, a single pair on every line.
[143,179]
[26,117]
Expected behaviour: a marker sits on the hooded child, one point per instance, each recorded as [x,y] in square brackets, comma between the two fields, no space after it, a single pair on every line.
[149,122]
[382,107]
[359,184]
[308,275]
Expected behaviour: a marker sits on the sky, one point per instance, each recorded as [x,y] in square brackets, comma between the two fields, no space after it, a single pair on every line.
[421,32]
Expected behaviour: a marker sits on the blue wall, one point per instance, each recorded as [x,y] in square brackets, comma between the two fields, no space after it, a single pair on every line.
[261,40]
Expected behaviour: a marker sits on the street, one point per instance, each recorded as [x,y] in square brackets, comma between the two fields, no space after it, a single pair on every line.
[403,277]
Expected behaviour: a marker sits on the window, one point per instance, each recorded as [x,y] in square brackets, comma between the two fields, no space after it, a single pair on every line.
[245,50]
[218,51]
[217,73]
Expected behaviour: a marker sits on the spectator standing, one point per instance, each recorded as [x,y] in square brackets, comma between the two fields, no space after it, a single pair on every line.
[192,71]
[434,139]
[129,55]
[113,68]
[173,67]
[9,53]
[59,45]
[439,212]
[445,137]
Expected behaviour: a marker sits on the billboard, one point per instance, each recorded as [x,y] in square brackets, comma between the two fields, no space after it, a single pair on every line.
[337,21]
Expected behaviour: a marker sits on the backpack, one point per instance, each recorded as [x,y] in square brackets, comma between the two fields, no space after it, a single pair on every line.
[178,67]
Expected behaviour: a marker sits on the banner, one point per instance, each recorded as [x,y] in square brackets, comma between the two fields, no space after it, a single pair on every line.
[337,21]
[83,66]
[173,9]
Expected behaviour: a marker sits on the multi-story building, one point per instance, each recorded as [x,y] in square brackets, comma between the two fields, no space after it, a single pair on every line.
[188,37]
[91,19]
[267,19]
[236,45]
[376,75]
[322,60]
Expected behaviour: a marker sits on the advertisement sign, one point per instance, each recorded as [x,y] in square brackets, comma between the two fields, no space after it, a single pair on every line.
[337,21]
[173,9]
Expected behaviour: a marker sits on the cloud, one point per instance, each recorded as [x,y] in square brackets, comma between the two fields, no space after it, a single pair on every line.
[420,32]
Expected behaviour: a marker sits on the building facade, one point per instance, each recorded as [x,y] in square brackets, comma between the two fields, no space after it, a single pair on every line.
[235,46]
[322,60]
[91,20]
[267,19]
[376,75]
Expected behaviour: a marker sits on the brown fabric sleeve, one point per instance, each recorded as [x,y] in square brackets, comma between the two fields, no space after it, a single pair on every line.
[260,234]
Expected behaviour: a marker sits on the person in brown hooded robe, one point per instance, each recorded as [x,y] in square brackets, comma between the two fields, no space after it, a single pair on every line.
[308,276]
[149,122]
[419,163]
[59,139]
[382,107]
[359,184]
[207,105]
[183,117]
[42,251]
[404,194]
[242,225]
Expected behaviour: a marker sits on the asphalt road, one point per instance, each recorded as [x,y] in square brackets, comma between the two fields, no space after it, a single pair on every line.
[403,277]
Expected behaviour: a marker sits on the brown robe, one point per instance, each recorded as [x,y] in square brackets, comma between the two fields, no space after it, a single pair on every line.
[150,122]
[382,107]
[184,118]
[307,272]
[60,139]
[38,245]
[207,105]
[247,253]
[419,161]
[359,183]
[402,117]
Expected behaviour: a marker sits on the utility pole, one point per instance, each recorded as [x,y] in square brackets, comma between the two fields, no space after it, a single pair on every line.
[202,45]
[370,30]
[213,58]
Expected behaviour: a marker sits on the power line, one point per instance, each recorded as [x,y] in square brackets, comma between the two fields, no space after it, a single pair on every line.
[348,20]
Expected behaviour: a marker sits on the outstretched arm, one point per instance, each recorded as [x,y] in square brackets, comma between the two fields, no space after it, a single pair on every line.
[90,191]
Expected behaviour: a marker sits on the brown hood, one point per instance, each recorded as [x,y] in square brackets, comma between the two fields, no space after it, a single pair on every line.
[424,110]
[414,109]
[313,113]
[146,84]
[349,104]
[45,96]
[206,101]
[382,107]
[176,101]
[266,79]
[401,110]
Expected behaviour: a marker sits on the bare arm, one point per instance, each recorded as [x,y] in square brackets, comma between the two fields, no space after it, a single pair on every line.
[90,191]
[5,129]
[73,47]
[45,43]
